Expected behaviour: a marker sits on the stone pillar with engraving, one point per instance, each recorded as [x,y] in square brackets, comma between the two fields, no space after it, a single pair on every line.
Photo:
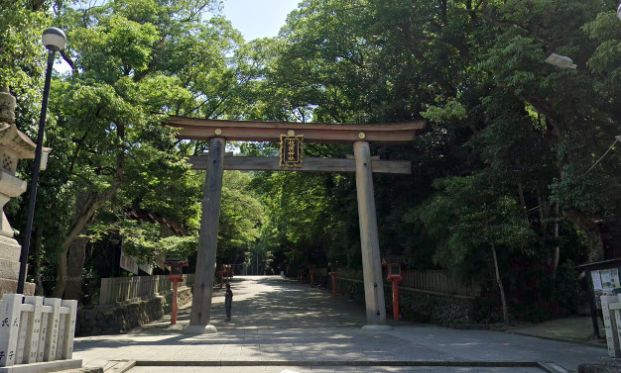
[14,145]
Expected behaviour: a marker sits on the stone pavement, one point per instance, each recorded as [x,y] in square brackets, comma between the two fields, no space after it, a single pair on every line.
[572,329]
[293,369]
[280,324]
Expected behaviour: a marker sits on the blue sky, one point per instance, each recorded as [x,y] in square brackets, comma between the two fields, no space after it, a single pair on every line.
[253,18]
[258,18]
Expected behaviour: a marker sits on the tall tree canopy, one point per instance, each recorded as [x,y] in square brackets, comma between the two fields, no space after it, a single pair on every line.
[514,178]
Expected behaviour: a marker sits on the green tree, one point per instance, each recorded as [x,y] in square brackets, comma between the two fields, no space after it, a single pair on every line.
[112,153]
[468,215]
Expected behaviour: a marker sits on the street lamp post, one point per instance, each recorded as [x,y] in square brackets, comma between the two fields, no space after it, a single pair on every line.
[54,40]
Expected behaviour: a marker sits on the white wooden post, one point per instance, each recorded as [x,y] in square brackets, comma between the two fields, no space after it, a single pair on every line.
[121,291]
[135,289]
[62,323]
[70,327]
[52,328]
[615,314]
[43,334]
[34,329]
[9,327]
[158,288]
[610,325]
[24,325]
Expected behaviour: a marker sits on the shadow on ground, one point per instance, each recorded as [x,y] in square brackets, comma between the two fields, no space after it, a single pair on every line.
[275,319]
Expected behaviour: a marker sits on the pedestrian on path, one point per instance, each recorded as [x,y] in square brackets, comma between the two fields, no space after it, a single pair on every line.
[228,301]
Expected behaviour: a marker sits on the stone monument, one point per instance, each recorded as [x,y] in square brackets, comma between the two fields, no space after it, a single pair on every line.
[14,145]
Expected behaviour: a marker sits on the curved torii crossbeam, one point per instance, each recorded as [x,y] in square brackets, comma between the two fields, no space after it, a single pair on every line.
[204,129]
[218,131]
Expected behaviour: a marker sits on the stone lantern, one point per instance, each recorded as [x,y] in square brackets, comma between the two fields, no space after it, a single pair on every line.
[14,145]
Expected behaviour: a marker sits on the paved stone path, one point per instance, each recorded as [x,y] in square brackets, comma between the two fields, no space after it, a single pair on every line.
[572,329]
[277,320]
[341,369]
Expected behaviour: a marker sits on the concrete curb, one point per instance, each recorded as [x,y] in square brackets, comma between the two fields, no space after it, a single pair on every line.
[83,370]
[576,341]
[552,367]
[545,366]
[44,366]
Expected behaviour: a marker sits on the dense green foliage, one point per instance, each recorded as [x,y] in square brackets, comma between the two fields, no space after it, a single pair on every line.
[509,164]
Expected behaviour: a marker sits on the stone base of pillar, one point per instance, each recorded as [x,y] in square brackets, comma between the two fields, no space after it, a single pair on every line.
[9,269]
[10,286]
[377,328]
[200,329]
[9,248]
[9,265]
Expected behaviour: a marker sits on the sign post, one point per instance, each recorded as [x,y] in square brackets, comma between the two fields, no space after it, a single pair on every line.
[394,276]
[600,279]
[175,276]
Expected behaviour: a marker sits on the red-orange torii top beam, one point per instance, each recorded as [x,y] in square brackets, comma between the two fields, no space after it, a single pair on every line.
[203,129]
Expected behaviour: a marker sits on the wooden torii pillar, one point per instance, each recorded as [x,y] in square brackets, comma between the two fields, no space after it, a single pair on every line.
[215,162]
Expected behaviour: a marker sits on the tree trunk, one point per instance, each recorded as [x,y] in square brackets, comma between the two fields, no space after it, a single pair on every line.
[444,12]
[523,202]
[86,210]
[79,226]
[61,270]
[542,215]
[505,311]
[75,264]
[74,253]
[556,255]
[592,232]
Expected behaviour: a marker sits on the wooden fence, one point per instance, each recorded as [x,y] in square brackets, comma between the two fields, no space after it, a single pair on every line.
[439,282]
[431,281]
[36,329]
[127,289]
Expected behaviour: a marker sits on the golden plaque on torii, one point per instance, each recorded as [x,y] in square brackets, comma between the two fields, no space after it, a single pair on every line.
[291,150]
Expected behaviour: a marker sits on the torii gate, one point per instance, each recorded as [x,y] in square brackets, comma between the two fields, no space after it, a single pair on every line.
[290,136]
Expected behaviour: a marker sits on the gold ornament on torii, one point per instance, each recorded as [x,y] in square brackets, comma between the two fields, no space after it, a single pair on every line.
[291,150]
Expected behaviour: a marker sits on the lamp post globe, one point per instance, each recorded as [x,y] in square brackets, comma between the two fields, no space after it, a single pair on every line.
[54,39]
